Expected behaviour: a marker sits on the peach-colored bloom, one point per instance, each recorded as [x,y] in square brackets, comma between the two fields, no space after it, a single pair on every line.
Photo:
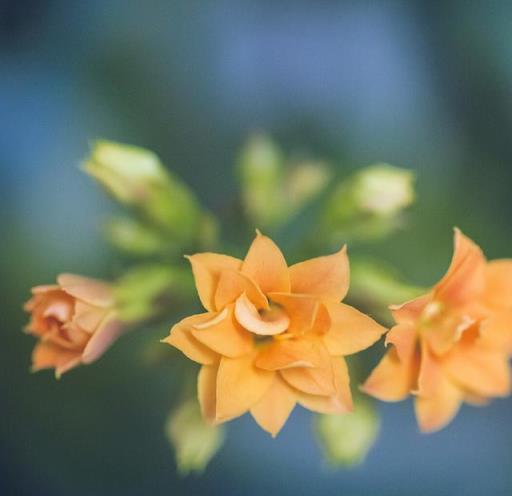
[272,335]
[452,344]
[74,320]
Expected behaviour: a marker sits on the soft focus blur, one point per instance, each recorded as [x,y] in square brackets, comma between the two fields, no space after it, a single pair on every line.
[422,85]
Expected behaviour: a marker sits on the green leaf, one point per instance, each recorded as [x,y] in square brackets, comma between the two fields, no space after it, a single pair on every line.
[195,442]
[140,292]
[346,439]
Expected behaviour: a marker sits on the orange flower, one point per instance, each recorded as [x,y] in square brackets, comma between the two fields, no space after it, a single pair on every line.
[74,320]
[452,344]
[273,335]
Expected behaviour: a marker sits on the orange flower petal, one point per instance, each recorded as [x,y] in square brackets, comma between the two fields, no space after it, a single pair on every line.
[318,380]
[266,324]
[240,385]
[430,374]
[181,337]
[350,331]
[224,335]
[340,402]
[232,284]
[435,412]
[266,265]
[392,379]
[410,311]
[498,287]
[466,275]
[106,334]
[325,277]
[88,317]
[47,355]
[207,391]
[91,291]
[496,331]
[207,268]
[482,372]
[274,408]
[288,353]
[301,310]
[404,338]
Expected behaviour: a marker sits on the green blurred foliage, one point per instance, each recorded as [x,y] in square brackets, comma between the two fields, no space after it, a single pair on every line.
[368,205]
[274,190]
[169,217]
[346,439]
[194,441]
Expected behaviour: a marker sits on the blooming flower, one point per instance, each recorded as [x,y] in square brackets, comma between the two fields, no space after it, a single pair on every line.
[75,322]
[272,335]
[452,344]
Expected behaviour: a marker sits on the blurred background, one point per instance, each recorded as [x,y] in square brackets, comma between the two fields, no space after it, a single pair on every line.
[422,85]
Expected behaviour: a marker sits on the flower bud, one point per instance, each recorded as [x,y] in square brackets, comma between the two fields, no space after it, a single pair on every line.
[346,439]
[75,321]
[195,442]
[137,178]
[383,189]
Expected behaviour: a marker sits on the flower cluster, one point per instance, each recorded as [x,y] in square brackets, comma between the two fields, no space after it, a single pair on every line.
[273,335]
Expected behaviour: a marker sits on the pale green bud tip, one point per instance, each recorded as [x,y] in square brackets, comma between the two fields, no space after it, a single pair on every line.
[194,441]
[383,189]
[346,439]
[125,171]
[260,155]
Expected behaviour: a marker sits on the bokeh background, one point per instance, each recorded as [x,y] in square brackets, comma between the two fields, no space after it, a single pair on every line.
[424,85]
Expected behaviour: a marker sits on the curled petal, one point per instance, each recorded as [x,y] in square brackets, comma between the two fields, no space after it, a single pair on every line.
[435,412]
[350,330]
[91,291]
[240,385]
[392,379]
[207,268]
[466,275]
[266,265]
[106,334]
[274,408]
[288,353]
[301,309]
[224,335]
[325,277]
[207,391]
[232,284]
[266,324]
[181,337]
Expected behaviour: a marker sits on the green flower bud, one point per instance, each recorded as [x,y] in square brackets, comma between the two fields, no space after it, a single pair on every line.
[195,442]
[136,177]
[346,439]
[383,189]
